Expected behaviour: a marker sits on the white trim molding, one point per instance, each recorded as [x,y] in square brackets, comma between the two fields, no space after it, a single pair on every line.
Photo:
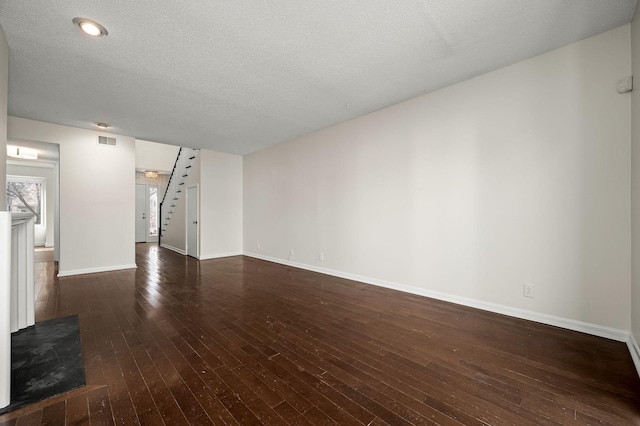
[5,309]
[95,270]
[634,350]
[220,255]
[569,324]
[172,248]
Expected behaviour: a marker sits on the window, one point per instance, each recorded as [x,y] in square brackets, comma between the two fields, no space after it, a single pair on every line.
[26,194]
[153,211]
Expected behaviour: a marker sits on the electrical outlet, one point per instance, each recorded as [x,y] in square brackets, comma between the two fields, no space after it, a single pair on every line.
[321,256]
[529,290]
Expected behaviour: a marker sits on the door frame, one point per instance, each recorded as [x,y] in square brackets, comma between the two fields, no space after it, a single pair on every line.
[186,221]
[55,197]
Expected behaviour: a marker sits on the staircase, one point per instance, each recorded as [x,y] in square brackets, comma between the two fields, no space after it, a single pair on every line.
[181,169]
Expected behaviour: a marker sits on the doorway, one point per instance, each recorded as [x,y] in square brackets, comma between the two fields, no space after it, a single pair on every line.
[146,213]
[46,168]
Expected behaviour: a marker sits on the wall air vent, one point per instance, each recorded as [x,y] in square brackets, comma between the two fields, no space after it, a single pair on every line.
[104,140]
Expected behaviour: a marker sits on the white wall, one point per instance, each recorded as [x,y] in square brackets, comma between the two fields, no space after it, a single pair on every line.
[219,179]
[4,85]
[635,182]
[97,196]
[220,204]
[175,237]
[44,236]
[519,175]
[155,156]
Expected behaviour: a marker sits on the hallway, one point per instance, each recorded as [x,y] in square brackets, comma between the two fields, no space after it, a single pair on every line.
[243,341]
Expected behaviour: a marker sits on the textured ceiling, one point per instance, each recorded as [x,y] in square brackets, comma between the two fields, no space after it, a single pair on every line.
[238,76]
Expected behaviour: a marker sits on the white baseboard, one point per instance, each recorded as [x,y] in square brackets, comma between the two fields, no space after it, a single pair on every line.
[94,270]
[634,350]
[219,255]
[569,324]
[172,248]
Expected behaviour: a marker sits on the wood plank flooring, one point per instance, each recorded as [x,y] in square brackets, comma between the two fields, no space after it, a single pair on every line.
[241,341]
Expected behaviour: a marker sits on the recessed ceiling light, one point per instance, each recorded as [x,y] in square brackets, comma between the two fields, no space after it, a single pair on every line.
[90,27]
[102,125]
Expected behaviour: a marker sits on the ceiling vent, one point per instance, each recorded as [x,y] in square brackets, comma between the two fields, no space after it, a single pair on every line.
[104,140]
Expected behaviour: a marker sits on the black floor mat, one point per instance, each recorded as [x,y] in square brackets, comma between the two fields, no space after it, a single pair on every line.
[46,360]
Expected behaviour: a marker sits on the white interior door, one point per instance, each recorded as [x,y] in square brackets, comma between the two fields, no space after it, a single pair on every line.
[192,221]
[141,213]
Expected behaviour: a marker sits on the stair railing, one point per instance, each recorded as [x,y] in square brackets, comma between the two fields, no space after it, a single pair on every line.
[184,162]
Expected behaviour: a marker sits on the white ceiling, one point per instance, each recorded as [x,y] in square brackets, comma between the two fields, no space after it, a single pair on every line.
[238,76]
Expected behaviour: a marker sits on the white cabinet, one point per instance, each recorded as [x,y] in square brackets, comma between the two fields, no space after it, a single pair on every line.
[17,288]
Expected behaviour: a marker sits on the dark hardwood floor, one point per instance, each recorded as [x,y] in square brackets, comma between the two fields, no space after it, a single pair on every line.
[242,341]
